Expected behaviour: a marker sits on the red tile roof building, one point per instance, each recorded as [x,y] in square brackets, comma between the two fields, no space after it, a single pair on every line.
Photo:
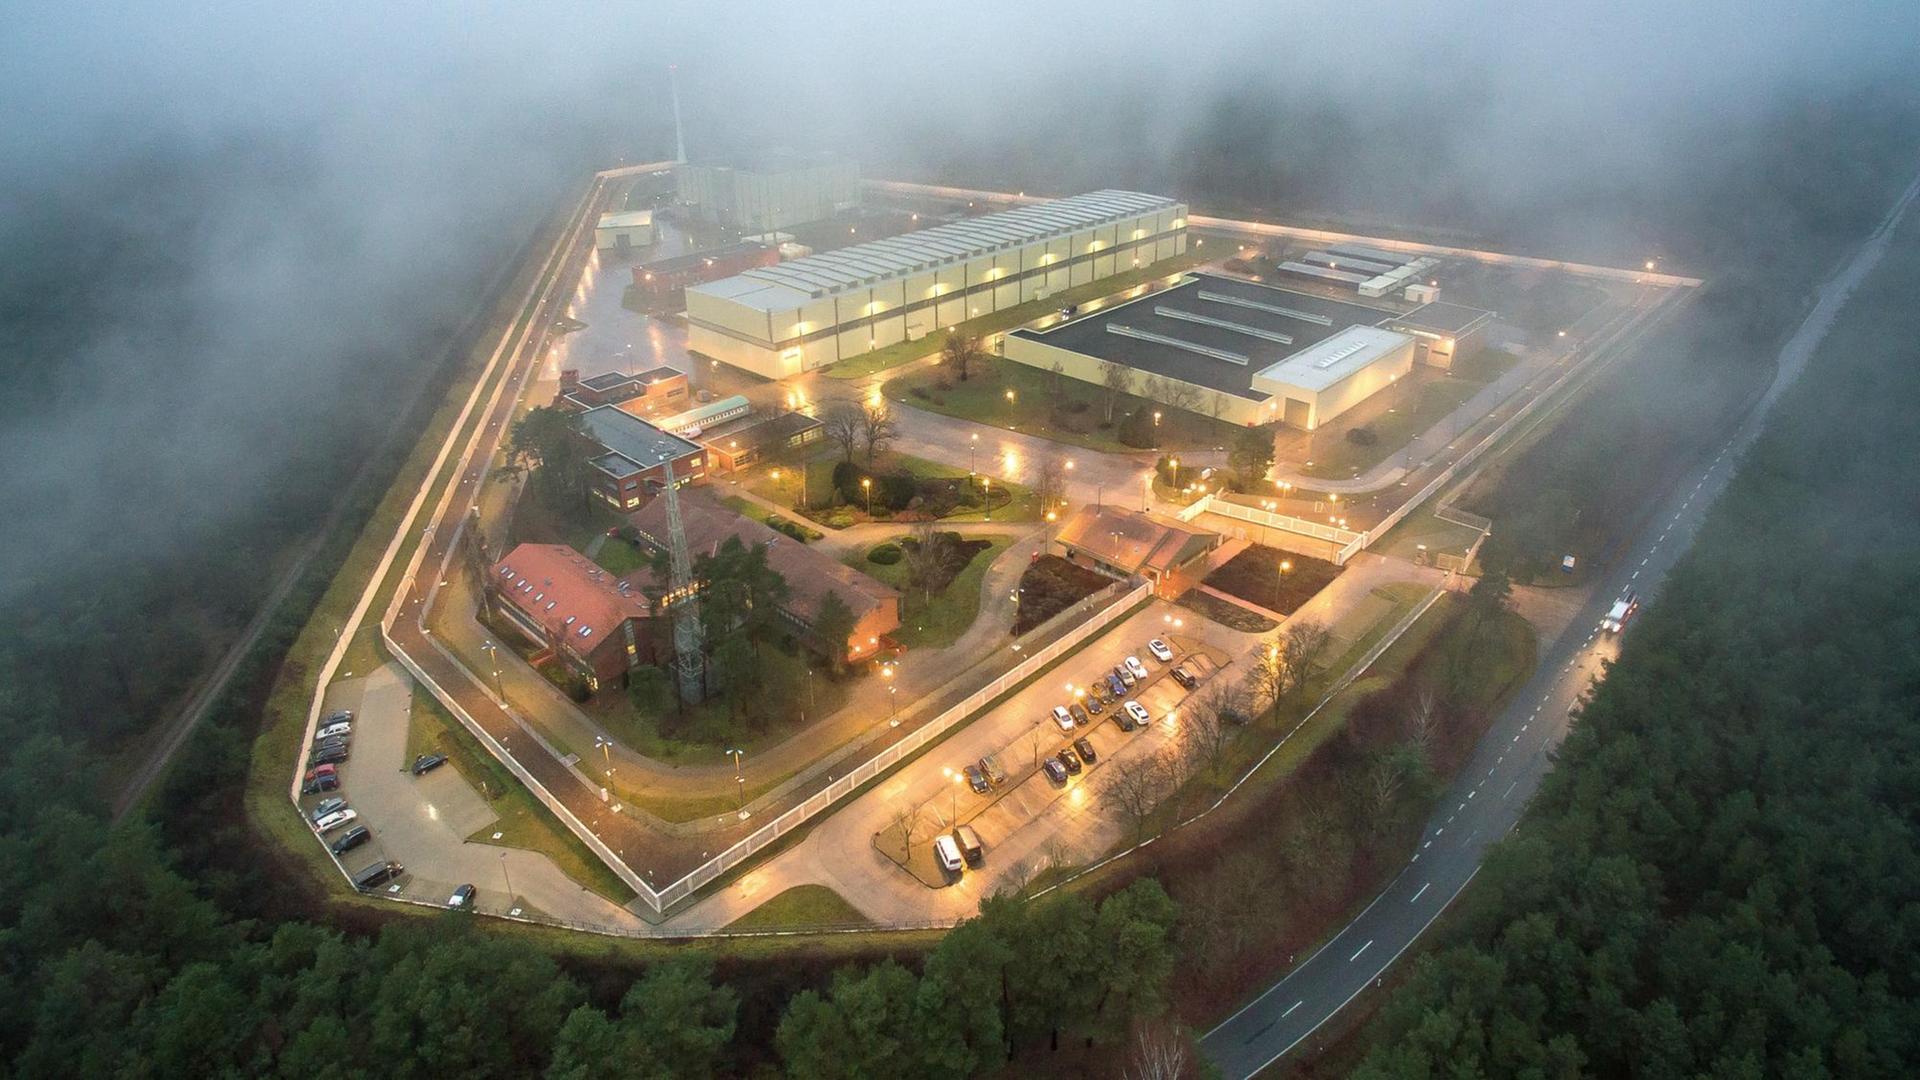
[560,599]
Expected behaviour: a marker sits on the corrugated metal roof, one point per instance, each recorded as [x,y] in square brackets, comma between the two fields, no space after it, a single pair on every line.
[793,283]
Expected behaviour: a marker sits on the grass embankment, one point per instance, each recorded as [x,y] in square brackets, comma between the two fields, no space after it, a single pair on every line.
[902,352]
[747,508]
[1053,407]
[524,822]
[1402,413]
[283,726]
[803,907]
[936,621]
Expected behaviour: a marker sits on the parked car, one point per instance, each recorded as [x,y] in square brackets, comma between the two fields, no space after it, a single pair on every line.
[330,755]
[991,766]
[1126,677]
[1115,688]
[1079,714]
[334,820]
[1055,771]
[1069,760]
[350,839]
[339,727]
[462,898]
[317,785]
[337,742]
[1095,704]
[977,779]
[325,807]
[1084,747]
[1134,665]
[947,853]
[372,877]
[1141,717]
[1062,717]
[970,846]
[426,763]
[1160,651]
[1184,677]
[338,716]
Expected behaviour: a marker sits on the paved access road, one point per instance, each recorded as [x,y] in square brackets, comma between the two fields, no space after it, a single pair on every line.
[1490,793]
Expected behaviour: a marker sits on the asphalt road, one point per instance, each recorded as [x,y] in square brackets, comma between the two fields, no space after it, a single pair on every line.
[1491,791]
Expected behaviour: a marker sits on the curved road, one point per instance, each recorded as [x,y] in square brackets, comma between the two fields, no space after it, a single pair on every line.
[1487,798]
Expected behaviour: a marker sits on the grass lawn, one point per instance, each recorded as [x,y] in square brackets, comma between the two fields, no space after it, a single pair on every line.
[1416,406]
[1256,575]
[1011,502]
[803,907]
[1007,318]
[750,509]
[1225,612]
[575,525]
[708,729]
[1421,527]
[619,558]
[1052,585]
[1079,421]
[524,822]
[932,624]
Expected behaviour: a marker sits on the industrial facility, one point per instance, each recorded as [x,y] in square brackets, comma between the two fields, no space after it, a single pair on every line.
[777,321]
[776,192]
[1372,272]
[1244,352]
[623,232]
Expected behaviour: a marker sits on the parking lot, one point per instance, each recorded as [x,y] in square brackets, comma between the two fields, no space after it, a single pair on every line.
[435,825]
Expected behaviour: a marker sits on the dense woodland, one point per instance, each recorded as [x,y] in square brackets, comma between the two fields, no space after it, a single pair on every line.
[1735,888]
[1720,876]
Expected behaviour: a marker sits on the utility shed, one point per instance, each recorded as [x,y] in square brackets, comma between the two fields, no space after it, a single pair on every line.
[624,232]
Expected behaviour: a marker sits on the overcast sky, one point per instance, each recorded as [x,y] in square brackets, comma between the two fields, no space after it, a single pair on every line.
[268,202]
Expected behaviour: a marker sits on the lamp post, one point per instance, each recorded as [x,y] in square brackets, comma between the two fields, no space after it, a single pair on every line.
[508,878]
[493,653]
[973,443]
[867,483]
[986,490]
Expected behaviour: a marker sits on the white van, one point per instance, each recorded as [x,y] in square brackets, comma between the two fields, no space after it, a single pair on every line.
[333,821]
[948,854]
[343,727]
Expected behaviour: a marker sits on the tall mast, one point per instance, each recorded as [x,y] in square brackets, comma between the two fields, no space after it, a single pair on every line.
[688,659]
[679,135]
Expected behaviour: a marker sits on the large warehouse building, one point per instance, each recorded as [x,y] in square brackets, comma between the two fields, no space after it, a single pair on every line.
[771,193]
[780,320]
[1245,352]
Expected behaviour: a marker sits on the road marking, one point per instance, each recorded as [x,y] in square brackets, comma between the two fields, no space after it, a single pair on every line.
[1523,727]
[1636,574]
[1290,1009]
[1426,845]
[1509,790]
[1422,892]
[1457,809]
[1475,791]
[1439,830]
[1644,562]
[1516,738]
[1363,948]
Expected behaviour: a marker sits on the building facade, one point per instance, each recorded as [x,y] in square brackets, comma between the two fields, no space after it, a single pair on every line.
[662,283]
[624,232]
[780,320]
[630,457]
[770,194]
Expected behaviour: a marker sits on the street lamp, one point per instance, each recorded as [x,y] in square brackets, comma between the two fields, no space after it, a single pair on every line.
[986,492]
[1156,418]
[973,443]
[867,483]
[1009,397]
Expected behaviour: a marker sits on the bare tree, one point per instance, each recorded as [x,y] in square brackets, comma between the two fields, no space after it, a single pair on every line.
[1267,679]
[877,426]
[1157,1051]
[962,355]
[1227,908]
[1050,483]
[1037,739]
[1117,380]
[843,422]
[1382,783]
[1302,645]
[1423,721]
[1211,723]
[1056,384]
[905,820]
[925,553]
[1135,785]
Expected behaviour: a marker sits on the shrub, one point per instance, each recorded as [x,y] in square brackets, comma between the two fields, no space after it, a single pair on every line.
[839,517]
[1137,430]
[792,528]
[885,554]
[1362,436]
[891,491]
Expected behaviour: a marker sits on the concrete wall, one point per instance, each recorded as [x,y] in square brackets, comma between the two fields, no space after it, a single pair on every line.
[634,237]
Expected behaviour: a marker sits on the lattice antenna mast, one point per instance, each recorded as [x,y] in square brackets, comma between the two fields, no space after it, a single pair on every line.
[688,639]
